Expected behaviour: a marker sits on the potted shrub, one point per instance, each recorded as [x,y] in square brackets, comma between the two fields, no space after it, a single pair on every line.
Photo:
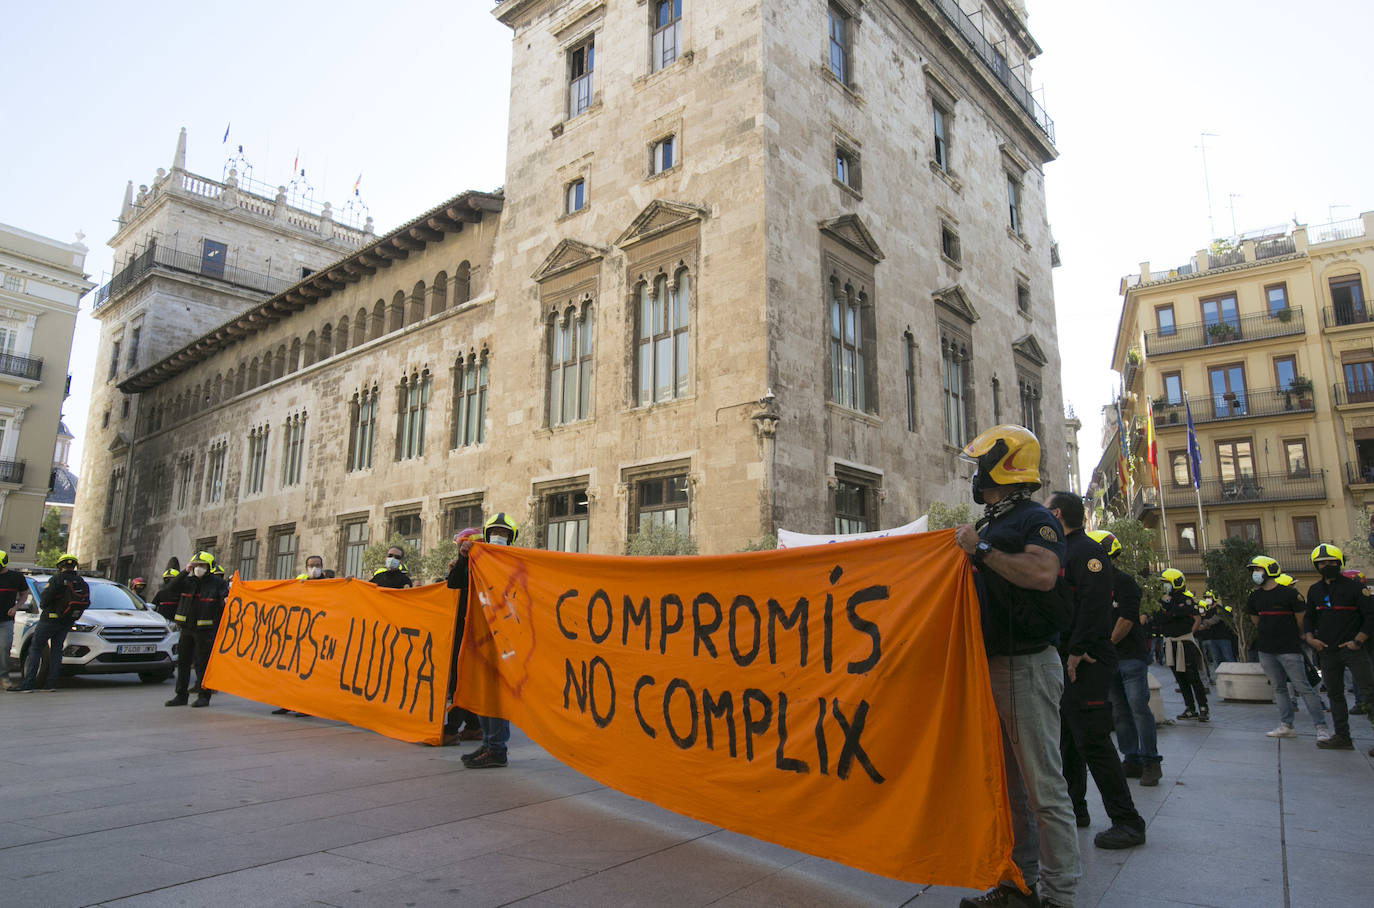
[1228,573]
[1285,314]
[1221,332]
[1133,356]
[1302,386]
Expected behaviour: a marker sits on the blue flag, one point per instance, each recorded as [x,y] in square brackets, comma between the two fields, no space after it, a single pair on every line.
[226,132]
[1194,450]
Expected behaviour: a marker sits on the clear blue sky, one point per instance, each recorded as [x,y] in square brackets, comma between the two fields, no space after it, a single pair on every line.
[413,94]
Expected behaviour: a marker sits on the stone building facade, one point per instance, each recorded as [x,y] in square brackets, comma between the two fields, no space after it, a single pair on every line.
[1270,347]
[752,271]
[41,283]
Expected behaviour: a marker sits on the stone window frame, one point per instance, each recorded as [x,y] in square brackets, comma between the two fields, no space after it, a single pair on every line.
[869,483]
[957,342]
[208,544]
[658,49]
[577,310]
[255,459]
[951,250]
[283,569]
[114,496]
[578,101]
[362,437]
[407,511]
[468,414]
[541,494]
[848,12]
[912,367]
[216,476]
[411,415]
[944,104]
[237,541]
[451,505]
[1024,301]
[632,477]
[293,449]
[847,172]
[344,521]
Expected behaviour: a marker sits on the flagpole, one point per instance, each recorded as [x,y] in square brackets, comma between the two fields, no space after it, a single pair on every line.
[1152,455]
[1195,466]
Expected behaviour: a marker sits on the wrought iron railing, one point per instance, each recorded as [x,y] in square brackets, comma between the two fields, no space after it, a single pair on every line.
[1257,489]
[21,366]
[1225,259]
[1236,405]
[11,471]
[189,263]
[1353,394]
[1246,328]
[997,64]
[1351,313]
[1359,472]
[1272,248]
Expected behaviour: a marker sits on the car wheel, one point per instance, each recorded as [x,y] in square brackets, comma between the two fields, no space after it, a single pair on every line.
[154,677]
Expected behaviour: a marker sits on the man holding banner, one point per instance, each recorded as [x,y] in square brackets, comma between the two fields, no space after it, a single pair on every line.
[1018,551]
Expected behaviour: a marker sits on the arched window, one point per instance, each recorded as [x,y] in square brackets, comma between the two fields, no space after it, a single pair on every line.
[570,365]
[252,374]
[469,400]
[396,319]
[416,311]
[293,356]
[326,343]
[218,394]
[438,300]
[279,362]
[378,326]
[360,327]
[308,349]
[462,283]
[663,356]
[241,378]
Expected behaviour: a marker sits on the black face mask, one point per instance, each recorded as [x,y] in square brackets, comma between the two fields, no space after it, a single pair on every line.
[1330,571]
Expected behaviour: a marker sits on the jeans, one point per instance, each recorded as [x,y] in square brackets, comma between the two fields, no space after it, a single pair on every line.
[1281,668]
[1027,690]
[495,733]
[1334,661]
[45,633]
[1135,724]
[1218,651]
[6,641]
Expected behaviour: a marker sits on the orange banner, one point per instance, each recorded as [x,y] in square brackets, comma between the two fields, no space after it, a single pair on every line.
[340,649]
[833,699]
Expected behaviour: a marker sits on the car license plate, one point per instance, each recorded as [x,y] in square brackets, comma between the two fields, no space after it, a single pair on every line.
[137,648]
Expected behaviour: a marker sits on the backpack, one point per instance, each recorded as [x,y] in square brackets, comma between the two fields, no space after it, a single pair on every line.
[77,595]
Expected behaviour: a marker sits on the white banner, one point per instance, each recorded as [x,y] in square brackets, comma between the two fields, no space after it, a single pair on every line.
[790,540]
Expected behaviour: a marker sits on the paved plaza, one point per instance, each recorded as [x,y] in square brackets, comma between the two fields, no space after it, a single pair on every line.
[110,799]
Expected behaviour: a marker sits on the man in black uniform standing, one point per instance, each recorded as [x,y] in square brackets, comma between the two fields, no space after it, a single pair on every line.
[62,601]
[200,604]
[1017,551]
[1338,623]
[1090,666]
[1136,735]
[1177,618]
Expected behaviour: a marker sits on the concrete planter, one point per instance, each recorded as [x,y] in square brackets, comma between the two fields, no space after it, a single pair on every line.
[1156,699]
[1243,681]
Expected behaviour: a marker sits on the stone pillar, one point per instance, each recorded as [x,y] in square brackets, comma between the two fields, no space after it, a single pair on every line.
[327,222]
[279,205]
[229,198]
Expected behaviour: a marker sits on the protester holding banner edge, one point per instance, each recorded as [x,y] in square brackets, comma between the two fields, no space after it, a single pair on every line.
[500,529]
[1018,551]
[459,724]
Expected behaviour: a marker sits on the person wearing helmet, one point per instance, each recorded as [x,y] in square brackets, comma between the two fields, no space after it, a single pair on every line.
[1017,552]
[460,724]
[1176,620]
[1338,623]
[166,597]
[393,574]
[14,593]
[139,587]
[500,529]
[1276,611]
[1136,735]
[1214,634]
[1089,666]
[61,603]
[200,604]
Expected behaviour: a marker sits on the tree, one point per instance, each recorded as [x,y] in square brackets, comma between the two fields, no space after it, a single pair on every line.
[941,516]
[52,540]
[1137,547]
[762,544]
[660,540]
[1228,575]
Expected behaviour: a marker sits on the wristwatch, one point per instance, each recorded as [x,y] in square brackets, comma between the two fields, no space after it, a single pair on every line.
[980,552]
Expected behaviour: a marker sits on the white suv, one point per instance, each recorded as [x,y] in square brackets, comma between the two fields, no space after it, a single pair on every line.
[117,633]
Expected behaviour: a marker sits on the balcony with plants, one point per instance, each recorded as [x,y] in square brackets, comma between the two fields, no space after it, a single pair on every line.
[1286,322]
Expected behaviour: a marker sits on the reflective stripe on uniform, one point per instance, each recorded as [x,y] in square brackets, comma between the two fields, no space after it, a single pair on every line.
[181,618]
[205,621]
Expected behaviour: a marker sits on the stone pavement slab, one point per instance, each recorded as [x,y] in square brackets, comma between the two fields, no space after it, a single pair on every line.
[111,799]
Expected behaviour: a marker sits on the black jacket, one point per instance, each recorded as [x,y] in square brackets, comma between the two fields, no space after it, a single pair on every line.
[1337,610]
[1089,574]
[64,598]
[200,600]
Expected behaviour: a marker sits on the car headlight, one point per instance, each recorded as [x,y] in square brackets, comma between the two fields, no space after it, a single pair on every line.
[82,628]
